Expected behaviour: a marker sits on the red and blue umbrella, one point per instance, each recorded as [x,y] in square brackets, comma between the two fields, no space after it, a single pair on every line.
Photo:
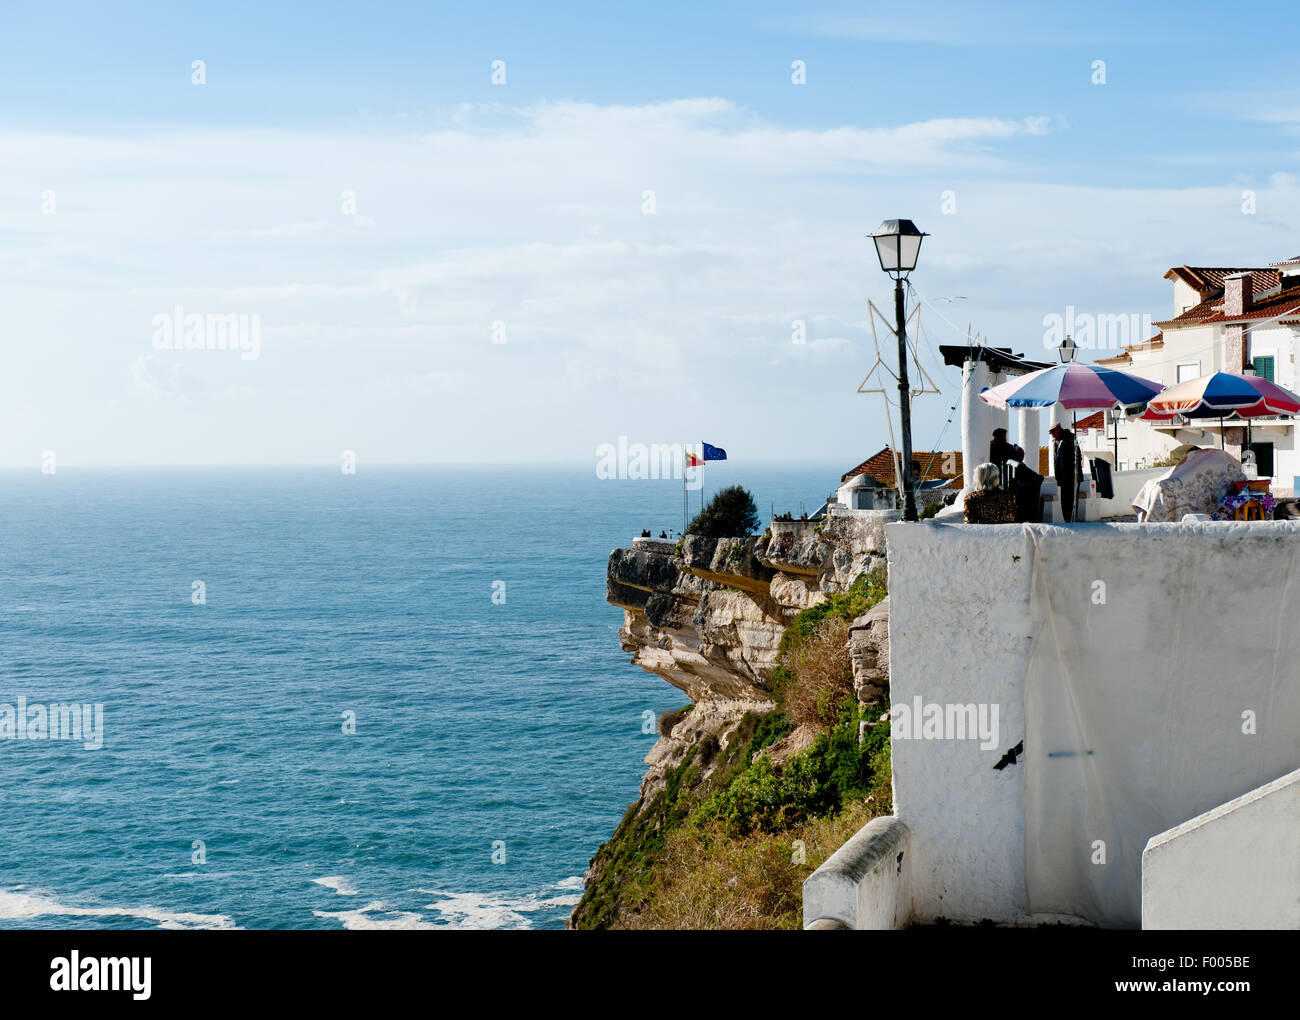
[1221,395]
[1094,387]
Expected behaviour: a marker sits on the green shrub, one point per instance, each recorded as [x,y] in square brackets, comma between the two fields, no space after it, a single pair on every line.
[731,513]
[816,783]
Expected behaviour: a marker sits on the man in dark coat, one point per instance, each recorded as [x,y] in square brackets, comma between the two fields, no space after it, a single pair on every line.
[1000,451]
[1066,467]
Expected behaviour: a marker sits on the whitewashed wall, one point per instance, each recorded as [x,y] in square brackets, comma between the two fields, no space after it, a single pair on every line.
[1200,875]
[959,632]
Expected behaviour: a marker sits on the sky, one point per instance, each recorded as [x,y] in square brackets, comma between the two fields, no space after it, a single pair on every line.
[510,232]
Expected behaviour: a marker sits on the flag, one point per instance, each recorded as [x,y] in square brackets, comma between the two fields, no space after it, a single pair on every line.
[693,459]
[714,452]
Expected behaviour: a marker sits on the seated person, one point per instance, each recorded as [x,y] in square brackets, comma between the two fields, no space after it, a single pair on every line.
[989,504]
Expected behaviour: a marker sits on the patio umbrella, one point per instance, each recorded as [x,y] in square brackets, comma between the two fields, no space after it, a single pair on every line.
[1221,396]
[1076,386]
[1073,385]
[1222,393]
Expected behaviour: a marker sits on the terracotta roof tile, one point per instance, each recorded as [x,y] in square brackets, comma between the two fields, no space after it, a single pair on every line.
[1277,305]
[881,466]
[1208,310]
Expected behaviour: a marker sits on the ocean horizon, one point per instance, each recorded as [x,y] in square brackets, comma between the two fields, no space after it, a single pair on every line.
[234,623]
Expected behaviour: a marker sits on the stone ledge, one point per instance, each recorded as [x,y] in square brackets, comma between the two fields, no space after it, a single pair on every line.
[862,885]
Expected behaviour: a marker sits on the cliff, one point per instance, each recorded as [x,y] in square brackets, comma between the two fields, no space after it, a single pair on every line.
[708,615]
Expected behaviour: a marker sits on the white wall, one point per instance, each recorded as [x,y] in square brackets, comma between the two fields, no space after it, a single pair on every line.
[1126,484]
[863,886]
[960,630]
[950,641]
[1237,866]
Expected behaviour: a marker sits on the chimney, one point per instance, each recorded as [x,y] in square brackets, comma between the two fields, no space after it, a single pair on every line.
[1237,294]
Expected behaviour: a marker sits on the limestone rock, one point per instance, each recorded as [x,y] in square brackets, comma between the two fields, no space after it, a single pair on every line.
[869,650]
[828,554]
[727,561]
[795,592]
[709,620]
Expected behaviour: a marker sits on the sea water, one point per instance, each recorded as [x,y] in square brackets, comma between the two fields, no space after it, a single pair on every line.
[387,699]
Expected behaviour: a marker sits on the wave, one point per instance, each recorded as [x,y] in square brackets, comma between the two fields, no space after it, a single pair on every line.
[366,919]
[487,911]
[338,883]
[19,904]
[453,910]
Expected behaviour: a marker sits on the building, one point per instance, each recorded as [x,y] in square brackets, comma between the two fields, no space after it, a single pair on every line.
[1225,320]
[874,484]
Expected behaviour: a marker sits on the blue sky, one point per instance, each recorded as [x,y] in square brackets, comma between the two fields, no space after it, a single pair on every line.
[126,191]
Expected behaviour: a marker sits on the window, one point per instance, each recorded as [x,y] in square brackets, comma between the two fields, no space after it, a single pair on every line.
[1191,370]
[1263,458]
[1264,368]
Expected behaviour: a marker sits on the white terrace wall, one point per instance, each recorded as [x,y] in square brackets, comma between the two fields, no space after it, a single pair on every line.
[960,633]
[1195,876]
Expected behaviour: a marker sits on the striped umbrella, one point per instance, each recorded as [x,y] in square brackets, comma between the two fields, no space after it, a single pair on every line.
[1076,386]
[1221,396]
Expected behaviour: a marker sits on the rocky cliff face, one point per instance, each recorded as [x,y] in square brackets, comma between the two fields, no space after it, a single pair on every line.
[708,618]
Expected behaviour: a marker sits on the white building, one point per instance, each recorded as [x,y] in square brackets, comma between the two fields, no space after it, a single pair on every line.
[1225,320]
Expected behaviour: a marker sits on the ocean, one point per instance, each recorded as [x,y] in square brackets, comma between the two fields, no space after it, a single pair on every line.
[393,699]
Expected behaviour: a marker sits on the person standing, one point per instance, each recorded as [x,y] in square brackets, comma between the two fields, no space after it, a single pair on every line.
[1066,468]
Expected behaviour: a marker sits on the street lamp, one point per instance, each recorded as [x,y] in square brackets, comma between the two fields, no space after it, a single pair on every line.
[898,243]
[1249,370]
[1116,416]
[1066,350]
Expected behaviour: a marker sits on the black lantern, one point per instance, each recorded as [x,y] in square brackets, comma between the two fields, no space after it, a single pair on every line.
[898,243]
[1066,350]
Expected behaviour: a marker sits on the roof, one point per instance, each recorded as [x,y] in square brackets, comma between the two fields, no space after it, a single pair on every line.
[1154,344]
[1209,284]
[1204,279]
[999,359]
[1275,305]
[1288,262]
[881,466]
[1096,420]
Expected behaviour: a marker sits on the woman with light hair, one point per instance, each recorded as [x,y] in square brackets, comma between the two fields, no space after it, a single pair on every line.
[989,503]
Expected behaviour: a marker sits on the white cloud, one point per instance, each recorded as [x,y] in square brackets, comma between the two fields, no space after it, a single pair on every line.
[614,321]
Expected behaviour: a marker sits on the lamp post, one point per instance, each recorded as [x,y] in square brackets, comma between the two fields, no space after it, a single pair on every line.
[1116,416]
[898,243]
[1249,370]
[1066,351]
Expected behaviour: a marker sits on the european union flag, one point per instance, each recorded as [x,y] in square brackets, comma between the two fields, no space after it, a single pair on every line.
[714,452]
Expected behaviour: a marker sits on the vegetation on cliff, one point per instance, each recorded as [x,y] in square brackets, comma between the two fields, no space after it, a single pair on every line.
[730,513]
[734,832]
